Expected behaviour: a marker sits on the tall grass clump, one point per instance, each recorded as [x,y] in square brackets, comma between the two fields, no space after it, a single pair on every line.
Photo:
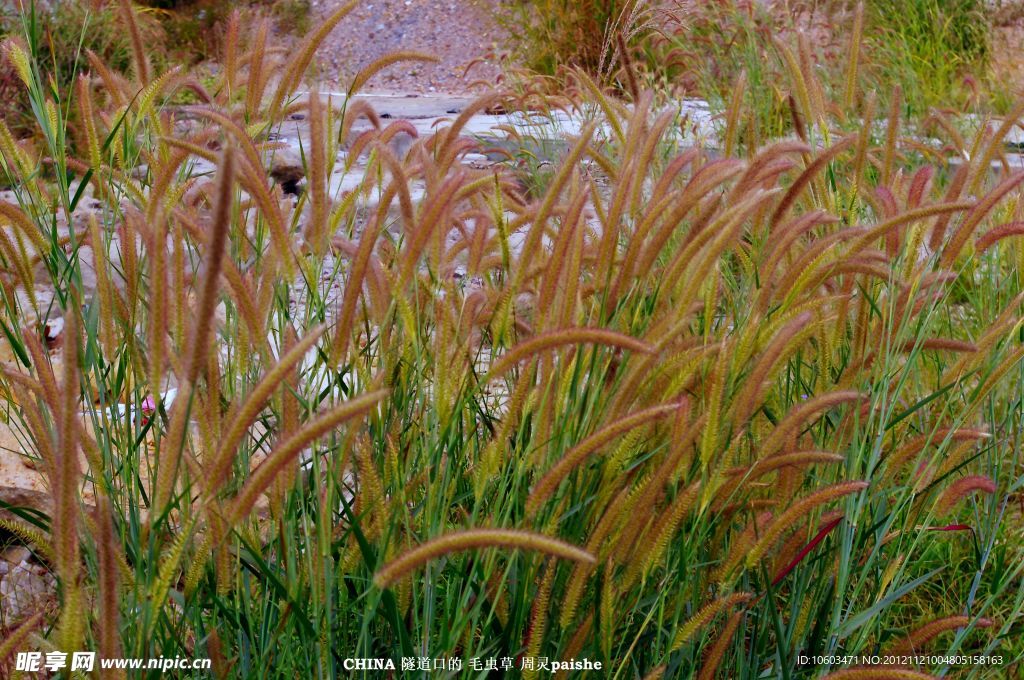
[60,35]
[685,415]
[931,46]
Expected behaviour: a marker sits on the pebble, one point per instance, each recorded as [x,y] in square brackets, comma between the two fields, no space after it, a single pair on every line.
[25,587]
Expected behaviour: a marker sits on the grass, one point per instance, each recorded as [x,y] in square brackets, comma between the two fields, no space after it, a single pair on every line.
[706,416]
[56,36]
[937,53]
[929,47]
[174,32]
[549,35]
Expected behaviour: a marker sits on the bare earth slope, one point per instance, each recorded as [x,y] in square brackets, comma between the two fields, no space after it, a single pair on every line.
[456,31]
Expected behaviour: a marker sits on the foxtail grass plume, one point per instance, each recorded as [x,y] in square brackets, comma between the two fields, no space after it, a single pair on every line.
[915,642]
[475,539]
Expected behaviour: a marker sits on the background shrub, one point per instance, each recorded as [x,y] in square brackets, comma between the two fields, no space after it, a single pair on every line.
[548,34]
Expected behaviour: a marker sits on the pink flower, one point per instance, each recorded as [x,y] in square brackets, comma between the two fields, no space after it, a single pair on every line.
[148,409]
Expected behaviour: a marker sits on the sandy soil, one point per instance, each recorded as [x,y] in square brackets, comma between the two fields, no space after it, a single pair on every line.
[456,31]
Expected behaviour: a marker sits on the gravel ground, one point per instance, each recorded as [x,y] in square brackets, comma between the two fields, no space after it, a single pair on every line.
[456,31]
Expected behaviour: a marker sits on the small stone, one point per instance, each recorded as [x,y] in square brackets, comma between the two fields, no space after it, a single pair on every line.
[286,169]
[52,333]
[15,555]
[1014,139]
[21,493]
[24,590]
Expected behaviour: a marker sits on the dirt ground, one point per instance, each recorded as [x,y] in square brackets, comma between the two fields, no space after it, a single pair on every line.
[458,32]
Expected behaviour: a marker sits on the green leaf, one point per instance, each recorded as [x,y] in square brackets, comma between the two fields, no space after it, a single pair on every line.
[874,610]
